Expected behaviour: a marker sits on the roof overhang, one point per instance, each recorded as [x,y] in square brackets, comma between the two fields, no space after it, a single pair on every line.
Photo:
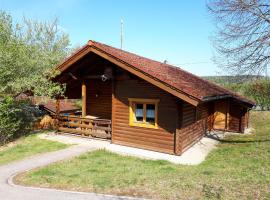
[218,97]
[164,86]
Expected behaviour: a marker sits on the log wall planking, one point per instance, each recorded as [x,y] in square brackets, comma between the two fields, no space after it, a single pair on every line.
[192,133]
[234,120]
[193,125]
[188,114]
[196,129]
[99,98]
[236,116]
[161,139]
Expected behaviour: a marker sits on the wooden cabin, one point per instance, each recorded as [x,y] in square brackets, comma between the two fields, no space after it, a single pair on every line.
[146,104]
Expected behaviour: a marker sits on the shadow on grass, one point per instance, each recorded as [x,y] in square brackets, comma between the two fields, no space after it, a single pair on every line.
[220,137]
[244,141]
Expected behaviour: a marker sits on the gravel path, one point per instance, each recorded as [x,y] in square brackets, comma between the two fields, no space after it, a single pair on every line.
[10,191]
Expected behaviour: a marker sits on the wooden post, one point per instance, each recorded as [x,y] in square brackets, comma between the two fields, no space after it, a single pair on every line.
[113,108]
[57,108]
[57,113]
[227,115]
[83,99]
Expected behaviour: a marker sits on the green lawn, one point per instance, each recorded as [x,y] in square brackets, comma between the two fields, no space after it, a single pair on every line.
[28,146]
[238,169]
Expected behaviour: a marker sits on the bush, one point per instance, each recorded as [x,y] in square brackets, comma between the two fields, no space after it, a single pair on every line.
[16,119]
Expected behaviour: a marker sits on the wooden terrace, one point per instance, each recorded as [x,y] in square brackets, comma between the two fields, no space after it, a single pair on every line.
[85,126]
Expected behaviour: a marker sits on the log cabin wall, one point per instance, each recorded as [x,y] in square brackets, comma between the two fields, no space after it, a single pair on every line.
[247,118]
[99,98]
[211,112]
[244,119]
[193,125]
[236,116]
[234,121]
[160,139]
[203,111]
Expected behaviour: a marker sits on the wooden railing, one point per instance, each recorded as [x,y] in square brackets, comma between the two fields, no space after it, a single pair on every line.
[87,127]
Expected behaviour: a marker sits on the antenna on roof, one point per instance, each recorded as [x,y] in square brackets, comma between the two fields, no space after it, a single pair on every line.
[121,33]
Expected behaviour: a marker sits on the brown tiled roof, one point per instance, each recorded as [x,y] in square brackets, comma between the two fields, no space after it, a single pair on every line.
[172,76]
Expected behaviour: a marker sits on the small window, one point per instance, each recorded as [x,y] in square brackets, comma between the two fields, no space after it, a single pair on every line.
[143,112]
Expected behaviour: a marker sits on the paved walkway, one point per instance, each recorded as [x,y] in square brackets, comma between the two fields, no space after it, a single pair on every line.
[193,156]
[10,191]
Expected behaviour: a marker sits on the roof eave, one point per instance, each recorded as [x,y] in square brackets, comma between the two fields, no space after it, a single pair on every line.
[225,96]
[73,58]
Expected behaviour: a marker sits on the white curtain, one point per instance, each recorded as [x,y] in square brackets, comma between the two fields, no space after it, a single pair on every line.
[150,113]
[139,112]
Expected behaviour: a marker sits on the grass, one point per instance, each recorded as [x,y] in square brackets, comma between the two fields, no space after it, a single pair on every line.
[28,146]
[238,169]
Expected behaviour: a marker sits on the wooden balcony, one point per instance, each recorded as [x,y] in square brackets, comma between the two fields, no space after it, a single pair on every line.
[85,126]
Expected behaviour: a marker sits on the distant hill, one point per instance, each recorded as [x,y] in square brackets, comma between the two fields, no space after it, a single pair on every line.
[231,79]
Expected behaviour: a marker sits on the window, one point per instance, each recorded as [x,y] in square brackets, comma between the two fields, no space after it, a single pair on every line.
[139,112]
[150,113]
[143,112]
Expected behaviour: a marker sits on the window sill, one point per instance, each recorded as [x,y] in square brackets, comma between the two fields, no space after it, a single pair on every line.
[142,125]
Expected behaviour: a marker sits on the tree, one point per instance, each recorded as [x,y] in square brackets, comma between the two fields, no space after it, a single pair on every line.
[242,39]
[259,90]
[29,53]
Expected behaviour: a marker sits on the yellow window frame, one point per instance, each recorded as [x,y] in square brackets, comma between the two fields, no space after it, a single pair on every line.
[132,118]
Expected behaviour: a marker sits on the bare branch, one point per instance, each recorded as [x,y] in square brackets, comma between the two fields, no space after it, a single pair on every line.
[242,40]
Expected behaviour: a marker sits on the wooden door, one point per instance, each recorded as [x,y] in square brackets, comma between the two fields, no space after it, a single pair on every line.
[220,115]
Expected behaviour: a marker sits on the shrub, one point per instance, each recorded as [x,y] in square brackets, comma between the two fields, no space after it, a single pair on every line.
[16,119]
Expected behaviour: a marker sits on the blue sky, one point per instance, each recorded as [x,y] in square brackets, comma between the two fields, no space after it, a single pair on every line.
[172,30]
